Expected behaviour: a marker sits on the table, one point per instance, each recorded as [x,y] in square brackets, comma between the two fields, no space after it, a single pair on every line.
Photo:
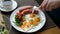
[54,30]
[49,22]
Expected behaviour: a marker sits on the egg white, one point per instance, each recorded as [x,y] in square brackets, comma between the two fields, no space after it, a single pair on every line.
[27,17]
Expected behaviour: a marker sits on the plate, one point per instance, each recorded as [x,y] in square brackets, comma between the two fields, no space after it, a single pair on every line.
[38,27]
[14,5]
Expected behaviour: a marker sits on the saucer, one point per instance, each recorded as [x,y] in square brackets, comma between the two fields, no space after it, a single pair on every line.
[14,5]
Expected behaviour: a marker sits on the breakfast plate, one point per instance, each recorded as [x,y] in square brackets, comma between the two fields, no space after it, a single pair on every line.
[26,20]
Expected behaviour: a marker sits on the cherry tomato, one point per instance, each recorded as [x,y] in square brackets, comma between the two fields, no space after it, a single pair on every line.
[35,11]
[17,13]
[19,16]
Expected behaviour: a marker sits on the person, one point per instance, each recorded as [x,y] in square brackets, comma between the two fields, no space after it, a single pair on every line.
[49,5]
[52,7]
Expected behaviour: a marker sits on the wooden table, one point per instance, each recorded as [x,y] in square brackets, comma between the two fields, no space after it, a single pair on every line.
[49,22]
[54,30]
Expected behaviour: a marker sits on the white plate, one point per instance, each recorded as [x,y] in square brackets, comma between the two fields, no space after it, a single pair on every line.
[13,7]
[38,27]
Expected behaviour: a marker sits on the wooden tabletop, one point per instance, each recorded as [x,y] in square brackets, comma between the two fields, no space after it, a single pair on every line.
[54,30]
[49,26]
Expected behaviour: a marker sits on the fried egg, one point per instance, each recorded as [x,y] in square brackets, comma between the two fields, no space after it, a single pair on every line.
[28,19]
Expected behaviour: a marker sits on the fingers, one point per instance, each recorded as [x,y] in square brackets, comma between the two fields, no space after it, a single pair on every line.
[49,6]
[46,5]
[43,5]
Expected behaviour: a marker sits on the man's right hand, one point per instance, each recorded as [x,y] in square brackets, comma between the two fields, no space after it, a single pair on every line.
[48,5]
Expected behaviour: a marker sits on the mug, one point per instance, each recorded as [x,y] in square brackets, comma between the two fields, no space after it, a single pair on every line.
[6,4]
[1,1]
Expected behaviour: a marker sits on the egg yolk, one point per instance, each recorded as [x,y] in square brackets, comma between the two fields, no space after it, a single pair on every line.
[32,15]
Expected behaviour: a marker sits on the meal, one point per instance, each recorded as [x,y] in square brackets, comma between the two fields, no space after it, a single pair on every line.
[26,20]
[3,29]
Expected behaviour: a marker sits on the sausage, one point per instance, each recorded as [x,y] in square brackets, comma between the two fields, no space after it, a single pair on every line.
[27,11]
[24,8]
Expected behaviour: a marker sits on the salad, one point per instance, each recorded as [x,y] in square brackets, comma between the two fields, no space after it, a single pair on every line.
[3,29]
[26,20]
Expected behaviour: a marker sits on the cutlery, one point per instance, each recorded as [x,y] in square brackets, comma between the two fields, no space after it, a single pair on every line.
[34,8]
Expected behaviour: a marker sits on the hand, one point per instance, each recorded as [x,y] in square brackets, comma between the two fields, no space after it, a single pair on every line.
[48,5]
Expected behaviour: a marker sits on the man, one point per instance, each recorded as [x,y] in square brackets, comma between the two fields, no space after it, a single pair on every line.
[52,8]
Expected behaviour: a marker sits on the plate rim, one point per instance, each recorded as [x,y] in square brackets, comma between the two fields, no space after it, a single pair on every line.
[28,32]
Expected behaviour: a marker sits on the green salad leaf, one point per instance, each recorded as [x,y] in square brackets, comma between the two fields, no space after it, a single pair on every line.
[17,21]
[5,31]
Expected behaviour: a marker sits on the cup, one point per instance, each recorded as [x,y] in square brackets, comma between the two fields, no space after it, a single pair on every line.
[1,1]
[7,5]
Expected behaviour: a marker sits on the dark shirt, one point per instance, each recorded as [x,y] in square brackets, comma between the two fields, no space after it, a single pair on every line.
[55,15]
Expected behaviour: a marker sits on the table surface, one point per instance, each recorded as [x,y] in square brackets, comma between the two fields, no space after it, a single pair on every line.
[49,22]
[54,30]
